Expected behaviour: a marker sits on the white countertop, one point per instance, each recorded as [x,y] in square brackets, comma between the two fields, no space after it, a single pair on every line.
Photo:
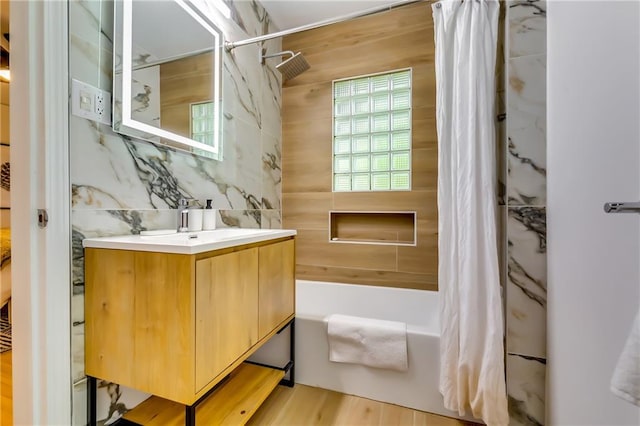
[188,242]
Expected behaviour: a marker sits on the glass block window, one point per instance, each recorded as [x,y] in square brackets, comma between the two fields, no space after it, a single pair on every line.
[202,125]
[372,132]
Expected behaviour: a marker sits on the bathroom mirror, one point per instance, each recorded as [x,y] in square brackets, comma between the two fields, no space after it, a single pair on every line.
[166,69]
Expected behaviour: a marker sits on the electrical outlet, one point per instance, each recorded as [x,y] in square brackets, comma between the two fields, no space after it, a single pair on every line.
[100,104]
[90,102]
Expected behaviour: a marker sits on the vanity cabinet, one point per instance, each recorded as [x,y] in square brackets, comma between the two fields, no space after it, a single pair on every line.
[226,311]
[276,294]
[175,325]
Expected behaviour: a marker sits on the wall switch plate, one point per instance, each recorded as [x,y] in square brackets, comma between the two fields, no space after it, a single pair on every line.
[90,102]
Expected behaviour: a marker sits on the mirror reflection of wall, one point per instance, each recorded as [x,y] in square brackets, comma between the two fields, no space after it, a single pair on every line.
[182,83]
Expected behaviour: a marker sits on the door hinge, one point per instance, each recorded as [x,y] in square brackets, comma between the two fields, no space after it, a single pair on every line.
[43,218]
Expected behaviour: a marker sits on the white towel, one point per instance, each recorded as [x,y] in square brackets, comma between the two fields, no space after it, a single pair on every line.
[375,343]
[626,377]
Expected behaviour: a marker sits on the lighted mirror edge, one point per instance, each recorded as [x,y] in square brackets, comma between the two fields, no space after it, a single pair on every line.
[128,121]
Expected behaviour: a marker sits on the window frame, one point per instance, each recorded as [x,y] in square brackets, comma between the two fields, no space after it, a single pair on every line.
[370,132]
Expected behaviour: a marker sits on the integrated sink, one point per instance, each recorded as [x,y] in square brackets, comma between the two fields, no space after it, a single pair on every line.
[188,242]
[201,237]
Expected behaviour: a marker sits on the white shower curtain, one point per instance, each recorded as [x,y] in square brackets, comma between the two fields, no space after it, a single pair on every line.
[471,349]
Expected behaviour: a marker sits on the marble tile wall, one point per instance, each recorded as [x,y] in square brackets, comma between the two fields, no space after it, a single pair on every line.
[123,185]
[524,201]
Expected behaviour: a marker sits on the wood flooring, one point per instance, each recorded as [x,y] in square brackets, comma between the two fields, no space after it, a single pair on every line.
[306,406]
[6,409]
[297,406]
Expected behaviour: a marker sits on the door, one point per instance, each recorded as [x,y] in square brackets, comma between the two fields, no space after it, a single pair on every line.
[277,284]
[226,311]
[40,258]
[593,93]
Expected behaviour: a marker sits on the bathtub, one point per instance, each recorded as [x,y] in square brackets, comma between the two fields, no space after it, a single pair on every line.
[416,388]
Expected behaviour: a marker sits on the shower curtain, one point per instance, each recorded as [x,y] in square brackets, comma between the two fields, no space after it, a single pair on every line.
[471,346]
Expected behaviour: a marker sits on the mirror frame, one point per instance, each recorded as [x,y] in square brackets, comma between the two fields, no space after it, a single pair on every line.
[122,72]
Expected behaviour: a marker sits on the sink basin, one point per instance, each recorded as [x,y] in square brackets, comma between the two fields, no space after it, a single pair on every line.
[188,242]
[194,238]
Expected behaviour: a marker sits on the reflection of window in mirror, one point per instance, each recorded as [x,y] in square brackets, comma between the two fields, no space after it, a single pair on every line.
[202,119]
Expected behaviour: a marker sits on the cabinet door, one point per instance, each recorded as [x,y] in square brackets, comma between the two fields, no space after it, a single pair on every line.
[226,311]
[277,285]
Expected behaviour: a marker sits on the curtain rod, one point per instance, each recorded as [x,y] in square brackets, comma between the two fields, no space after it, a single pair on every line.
[230,45]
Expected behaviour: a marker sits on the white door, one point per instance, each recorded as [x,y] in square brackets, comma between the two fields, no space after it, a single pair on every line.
[593,94]
[40,264]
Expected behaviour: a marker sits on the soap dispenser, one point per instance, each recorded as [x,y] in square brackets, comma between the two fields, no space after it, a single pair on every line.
[209,217]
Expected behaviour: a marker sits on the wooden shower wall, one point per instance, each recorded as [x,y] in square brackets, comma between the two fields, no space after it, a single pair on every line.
[401,38]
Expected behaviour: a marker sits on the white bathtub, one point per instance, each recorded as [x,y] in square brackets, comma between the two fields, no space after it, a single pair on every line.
[416,388]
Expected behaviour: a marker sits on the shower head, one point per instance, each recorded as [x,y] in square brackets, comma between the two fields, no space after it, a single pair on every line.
[291,67]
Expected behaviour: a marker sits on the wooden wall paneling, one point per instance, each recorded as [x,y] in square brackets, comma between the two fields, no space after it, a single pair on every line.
[307,210]
[306,157]
[314,248]
[401,38]
[308,100]
[426,161]
[352,33]
[369,277]
[424,132]
[421,201]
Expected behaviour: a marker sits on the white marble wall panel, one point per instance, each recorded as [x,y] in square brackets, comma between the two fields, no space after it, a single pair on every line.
[525,153]
[104,174]
[526,390]
[90,42]
[114,400]
[527,27]
[271,93]
[123,185]
[501,151]
[243,84]
[271,219]
[526,130]
[240,218]
[79,405]
[527,281]
[271,172]
[501,109]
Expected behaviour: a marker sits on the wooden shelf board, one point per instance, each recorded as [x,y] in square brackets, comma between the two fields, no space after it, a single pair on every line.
[373,241]
[232,404]
[373,227]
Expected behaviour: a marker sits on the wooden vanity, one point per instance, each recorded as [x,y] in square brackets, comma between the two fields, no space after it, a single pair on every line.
[180,325]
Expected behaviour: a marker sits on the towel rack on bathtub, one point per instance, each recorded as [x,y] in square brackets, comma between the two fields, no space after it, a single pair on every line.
[620,207]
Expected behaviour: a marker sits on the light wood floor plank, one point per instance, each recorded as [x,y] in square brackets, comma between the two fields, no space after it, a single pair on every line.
[307,406]
[364,412]
[297,406]
[267,414]
[335,408]
[395,415]
[6,391]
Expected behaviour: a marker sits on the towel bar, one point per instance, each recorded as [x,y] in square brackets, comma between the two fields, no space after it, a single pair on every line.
[620,207]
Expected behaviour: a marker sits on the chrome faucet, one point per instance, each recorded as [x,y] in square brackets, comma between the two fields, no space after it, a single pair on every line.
[183,214]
